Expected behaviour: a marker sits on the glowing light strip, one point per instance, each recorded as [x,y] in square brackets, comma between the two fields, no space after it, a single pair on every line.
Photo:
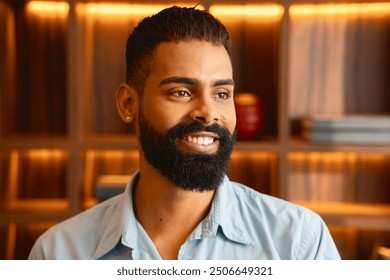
[46,153]
[248,10]
[39,7]
[340,9]
[128,9]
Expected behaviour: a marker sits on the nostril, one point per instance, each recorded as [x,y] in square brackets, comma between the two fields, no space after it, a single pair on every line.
[204,116]
[200,118]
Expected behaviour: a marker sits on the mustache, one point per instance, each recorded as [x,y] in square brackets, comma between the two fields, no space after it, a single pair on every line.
[180,130]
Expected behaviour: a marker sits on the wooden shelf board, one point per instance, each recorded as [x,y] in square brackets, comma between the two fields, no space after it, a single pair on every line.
[35,210]
[17,218]
[34,143]
[37,205]
[120,142]
[299,145]
[257,146]
[358,215]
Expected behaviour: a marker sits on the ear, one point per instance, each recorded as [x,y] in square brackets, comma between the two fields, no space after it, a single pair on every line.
[127,103]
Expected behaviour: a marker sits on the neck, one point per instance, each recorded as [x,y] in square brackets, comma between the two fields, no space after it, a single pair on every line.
[166,211]
[157,199]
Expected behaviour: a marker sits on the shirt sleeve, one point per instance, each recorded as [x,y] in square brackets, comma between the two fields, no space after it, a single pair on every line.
[36,252]
[317,242]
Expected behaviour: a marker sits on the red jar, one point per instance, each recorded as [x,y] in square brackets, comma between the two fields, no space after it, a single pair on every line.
[249,111]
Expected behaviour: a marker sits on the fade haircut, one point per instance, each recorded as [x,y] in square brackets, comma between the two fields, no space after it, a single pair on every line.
[173,24]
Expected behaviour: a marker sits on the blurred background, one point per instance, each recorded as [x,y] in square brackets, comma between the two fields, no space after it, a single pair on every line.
[312,99]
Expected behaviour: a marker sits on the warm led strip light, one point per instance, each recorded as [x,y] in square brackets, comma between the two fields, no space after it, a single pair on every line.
[340,9]
[128,9]
[269,11]
[46,7]
[46,154]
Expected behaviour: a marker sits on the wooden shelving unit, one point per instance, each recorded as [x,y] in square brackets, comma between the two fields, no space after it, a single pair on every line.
[58,76]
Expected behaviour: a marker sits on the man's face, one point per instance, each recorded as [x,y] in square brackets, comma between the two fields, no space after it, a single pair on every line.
[187,118]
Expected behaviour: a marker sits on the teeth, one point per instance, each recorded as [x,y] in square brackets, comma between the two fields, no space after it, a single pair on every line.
[200,140]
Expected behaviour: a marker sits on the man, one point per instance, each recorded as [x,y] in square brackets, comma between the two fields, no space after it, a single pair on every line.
[181,205]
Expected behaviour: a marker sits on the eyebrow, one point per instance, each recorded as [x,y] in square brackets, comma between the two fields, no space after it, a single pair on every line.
[180,80]
[225,82]
[194,82]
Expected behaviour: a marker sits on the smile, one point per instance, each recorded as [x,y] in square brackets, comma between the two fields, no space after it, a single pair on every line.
[200,140]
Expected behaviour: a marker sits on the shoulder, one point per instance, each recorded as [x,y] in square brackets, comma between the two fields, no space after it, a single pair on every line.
[78,236]
[293,231]
[271,214]
[259,202]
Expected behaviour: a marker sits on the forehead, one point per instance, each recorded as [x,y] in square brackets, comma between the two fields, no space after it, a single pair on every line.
[196,59]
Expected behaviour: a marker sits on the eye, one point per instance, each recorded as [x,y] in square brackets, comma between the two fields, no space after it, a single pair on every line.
[181,93]
[222,95]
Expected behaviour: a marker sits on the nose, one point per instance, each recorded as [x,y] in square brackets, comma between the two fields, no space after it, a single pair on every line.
[205,111]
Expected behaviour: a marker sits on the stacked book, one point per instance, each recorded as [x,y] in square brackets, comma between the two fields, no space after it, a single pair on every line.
[108,186]
[347,129]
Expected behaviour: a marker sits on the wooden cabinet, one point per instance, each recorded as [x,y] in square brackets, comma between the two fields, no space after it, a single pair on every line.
[61,62]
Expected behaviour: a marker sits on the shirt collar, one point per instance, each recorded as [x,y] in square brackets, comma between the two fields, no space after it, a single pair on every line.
[119,222]
[129,222]
[123,225]
[223,208]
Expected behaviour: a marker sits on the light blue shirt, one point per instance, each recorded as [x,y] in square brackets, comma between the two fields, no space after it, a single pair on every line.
[241,224]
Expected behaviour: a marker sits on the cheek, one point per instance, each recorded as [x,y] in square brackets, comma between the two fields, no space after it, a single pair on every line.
[230,119]
[161,116]
[232,125]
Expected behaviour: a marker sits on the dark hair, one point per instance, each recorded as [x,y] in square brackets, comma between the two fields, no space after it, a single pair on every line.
[173,24]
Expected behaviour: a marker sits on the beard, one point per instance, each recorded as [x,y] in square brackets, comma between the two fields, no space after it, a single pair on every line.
[188,171]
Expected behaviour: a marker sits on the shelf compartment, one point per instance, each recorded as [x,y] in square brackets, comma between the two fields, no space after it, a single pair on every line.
[4,232]
[7,61]
[361,244]
[35,55]
[336,177]
[338,56]
[299,145]
[36,180]
[19,238]
[345,239]
[257,170]
[4,171]
[100,163]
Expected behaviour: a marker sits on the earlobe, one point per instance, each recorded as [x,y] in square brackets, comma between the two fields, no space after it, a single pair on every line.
[126,102]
